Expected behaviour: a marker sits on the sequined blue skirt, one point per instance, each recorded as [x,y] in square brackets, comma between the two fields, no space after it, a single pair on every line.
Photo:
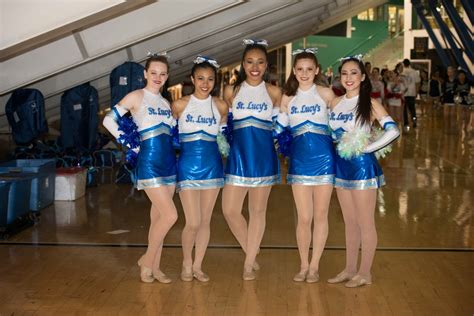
[200,166]
[252,160]
[360,173]
[312,160]
[156,165]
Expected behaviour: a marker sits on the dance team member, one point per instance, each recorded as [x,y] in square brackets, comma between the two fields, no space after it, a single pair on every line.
[395,92]
[156,166]
[304,108]
[200,169]
[252,166]
[358,178]
[378,86]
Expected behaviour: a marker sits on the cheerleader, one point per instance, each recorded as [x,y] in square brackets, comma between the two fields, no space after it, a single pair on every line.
[396,89]
[156,166]
[377,86]
[304,108]
[423,91]
[358,178]
[200,170]
[252,166]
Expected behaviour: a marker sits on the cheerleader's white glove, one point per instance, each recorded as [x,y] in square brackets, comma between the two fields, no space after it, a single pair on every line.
[391,133]
[281,123]
[110,121]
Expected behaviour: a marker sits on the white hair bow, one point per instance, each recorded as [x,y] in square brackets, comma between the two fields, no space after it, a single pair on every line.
[311,50]
[249,41]
[163,54]
[201,59]
[358,57]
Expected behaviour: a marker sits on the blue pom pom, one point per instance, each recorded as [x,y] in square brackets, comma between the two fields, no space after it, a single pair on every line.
[175,136]
[229,129]
[130,136]
[284,140]
[131,157]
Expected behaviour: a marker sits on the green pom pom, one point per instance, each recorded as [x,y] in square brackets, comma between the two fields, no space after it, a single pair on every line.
[352,143]
[223,145]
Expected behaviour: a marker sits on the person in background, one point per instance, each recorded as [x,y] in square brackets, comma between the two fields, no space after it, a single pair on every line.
[394,98]
[423,91]
[412,80]
[378,88]
[434,91]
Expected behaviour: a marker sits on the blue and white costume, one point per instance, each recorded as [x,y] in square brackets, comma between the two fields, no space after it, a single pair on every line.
[199,164]
[364,171]
[156,165]
[252,160]
[312,152]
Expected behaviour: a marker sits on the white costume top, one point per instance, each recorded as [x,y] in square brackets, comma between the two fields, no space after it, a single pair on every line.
[199,118]
[343,116]
[307,106]
[244,105]
[154,110]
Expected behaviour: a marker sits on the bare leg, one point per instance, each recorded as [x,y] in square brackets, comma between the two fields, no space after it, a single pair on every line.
[232,202]
[304,206]
[157,261]
[258,199]
[207,200]
[352,229]
[365,207]
[321,198]
[192,212]
[163,215]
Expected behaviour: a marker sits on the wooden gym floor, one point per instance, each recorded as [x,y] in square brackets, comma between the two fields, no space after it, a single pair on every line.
[70,263]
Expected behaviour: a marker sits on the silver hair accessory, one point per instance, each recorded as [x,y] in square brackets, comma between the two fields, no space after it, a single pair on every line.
[249,41]
[311,50]
[162,54]
[358,57]
[202,59]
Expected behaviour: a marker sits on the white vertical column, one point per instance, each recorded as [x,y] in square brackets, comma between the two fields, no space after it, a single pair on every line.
[407,31]
[288,61]
[349,28]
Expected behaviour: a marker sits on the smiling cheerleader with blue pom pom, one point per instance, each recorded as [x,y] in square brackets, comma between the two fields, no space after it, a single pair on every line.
[156,161]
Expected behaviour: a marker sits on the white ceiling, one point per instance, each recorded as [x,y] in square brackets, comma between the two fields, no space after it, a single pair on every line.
[183,28]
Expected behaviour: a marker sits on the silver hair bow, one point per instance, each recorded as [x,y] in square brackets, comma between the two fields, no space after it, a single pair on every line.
[162,54]
[358,57]
[249,41]
[311,50]
[201,59]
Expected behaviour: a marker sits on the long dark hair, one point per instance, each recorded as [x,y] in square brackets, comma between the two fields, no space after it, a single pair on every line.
[206,65]
[241,76]
[292,84]
[364,104]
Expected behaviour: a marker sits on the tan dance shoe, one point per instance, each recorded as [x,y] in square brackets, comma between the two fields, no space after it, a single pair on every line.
[186,275]
[161,277]
[312,277]
[200,276]
[300,276]
[358,281]
[146,274]
[249,274]
[341,277]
